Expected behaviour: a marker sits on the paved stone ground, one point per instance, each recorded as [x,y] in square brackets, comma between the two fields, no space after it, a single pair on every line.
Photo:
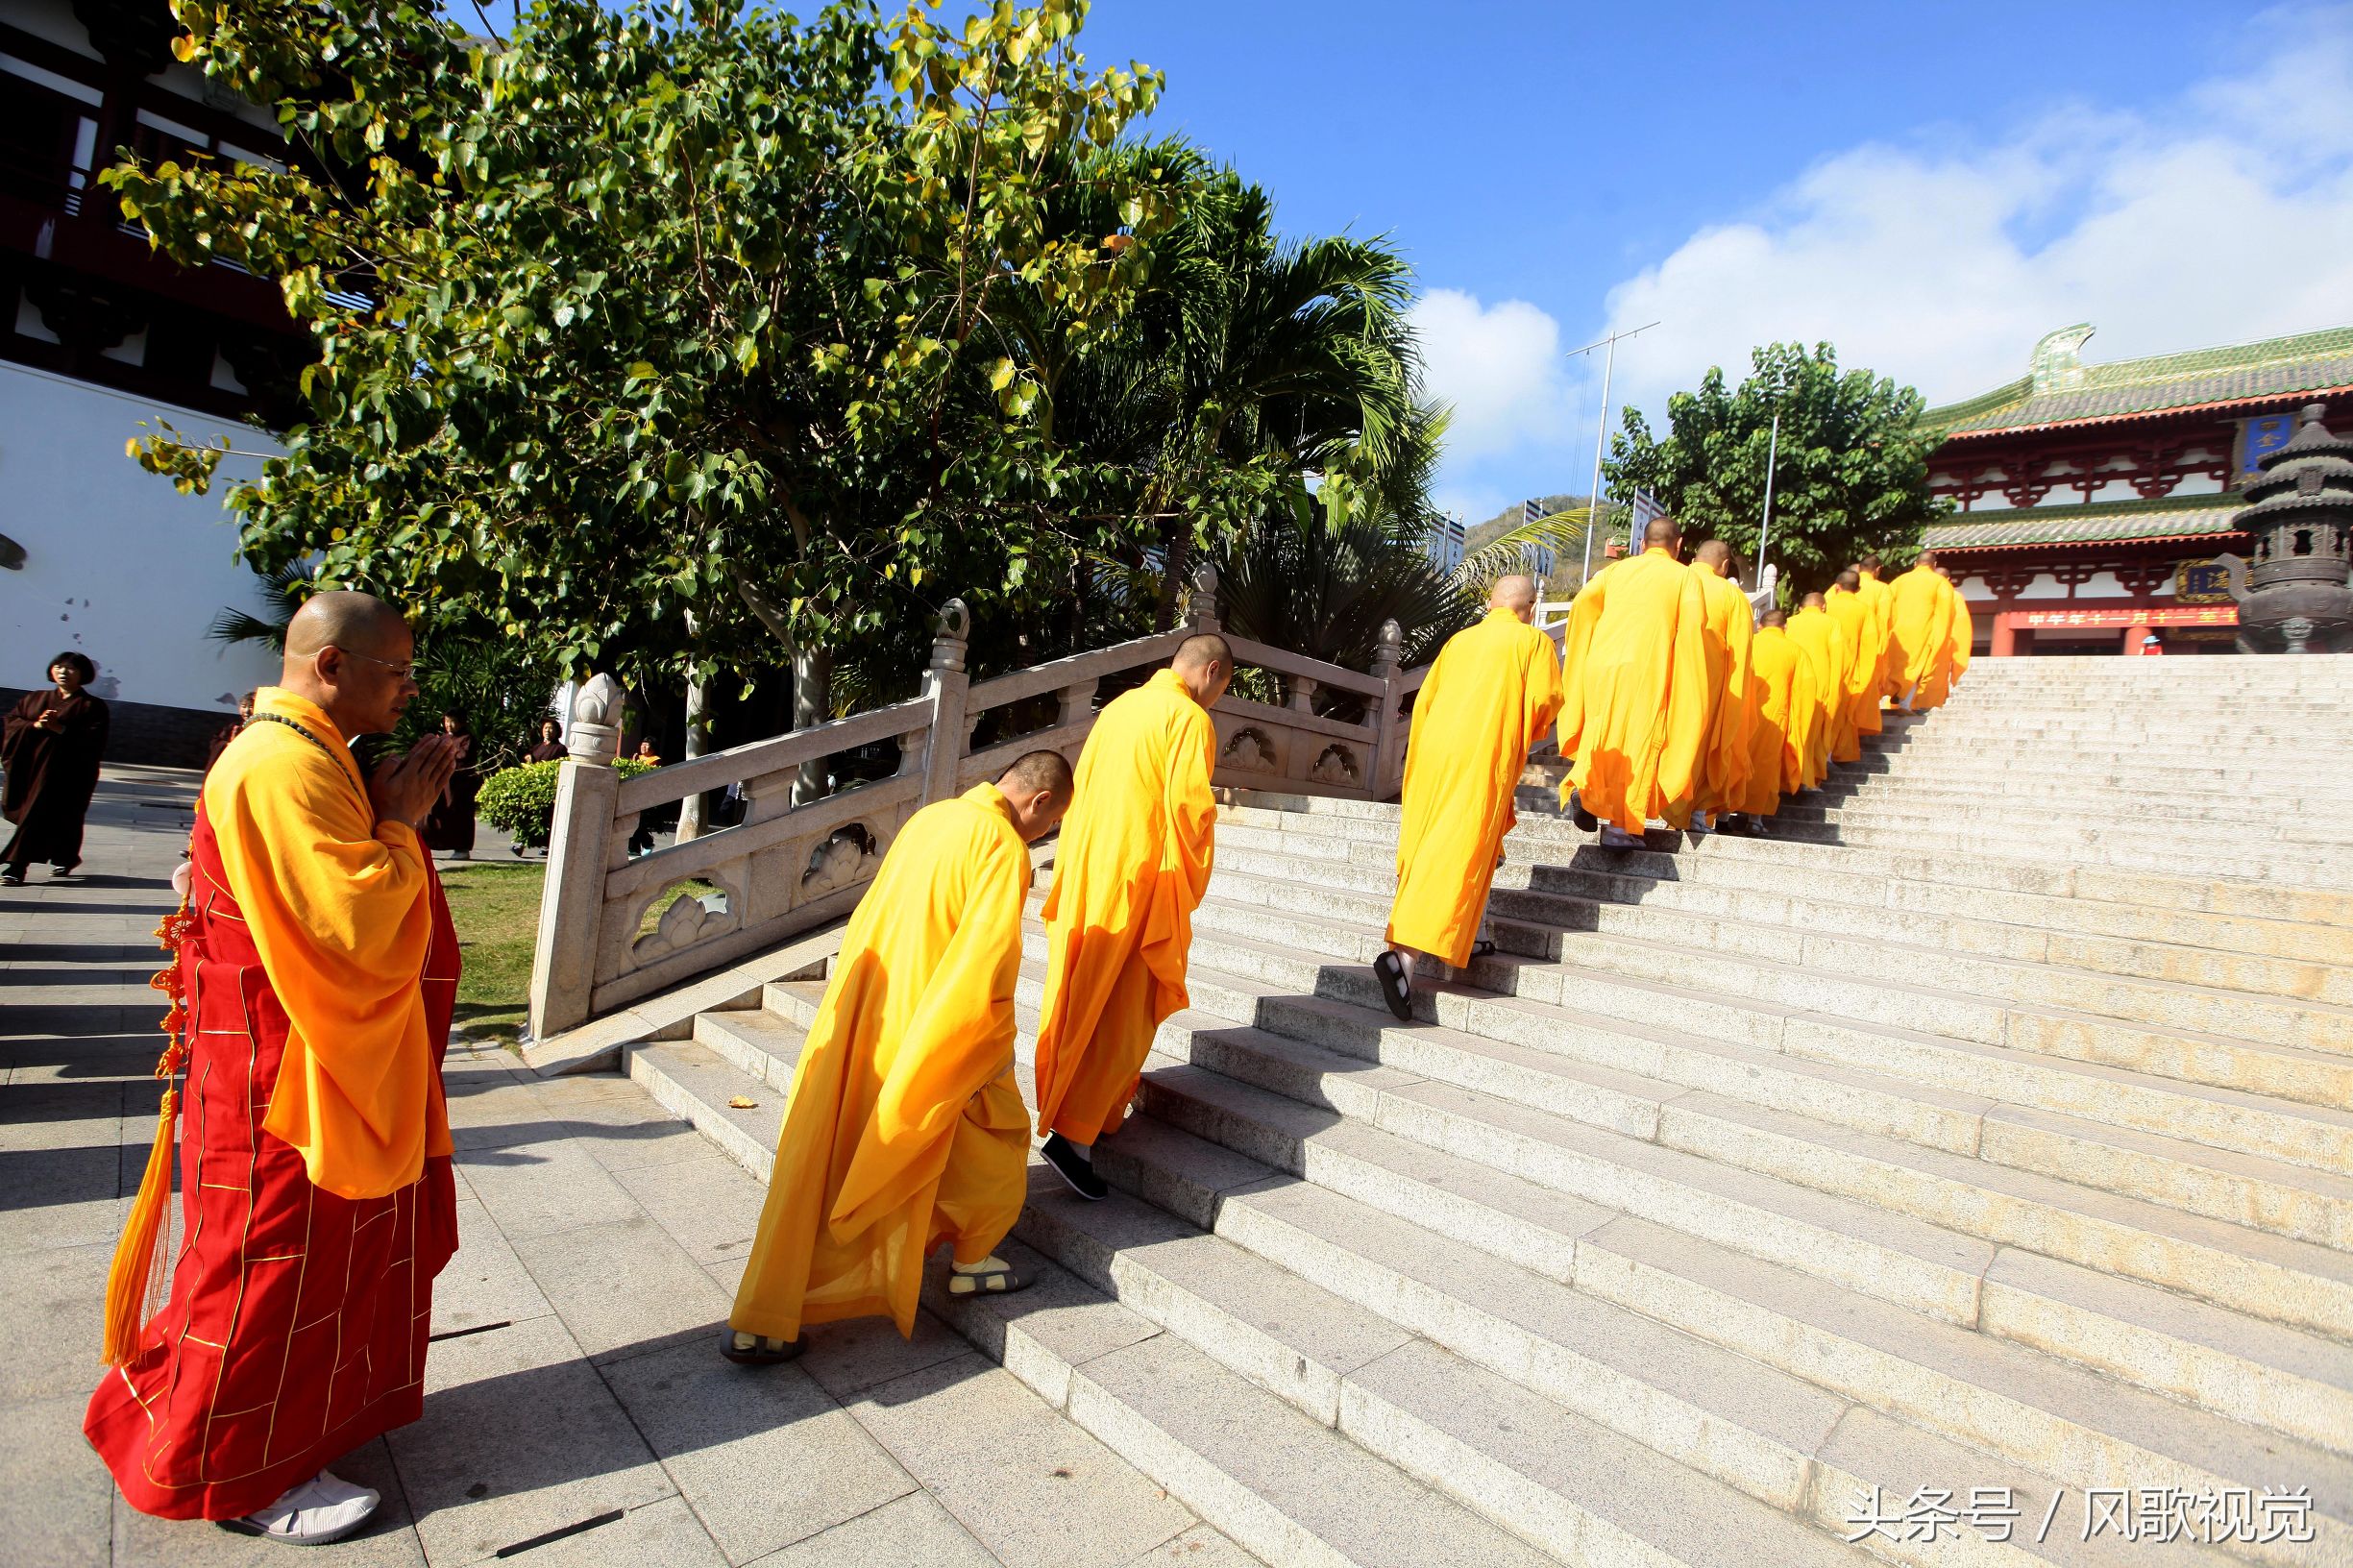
[600,1242]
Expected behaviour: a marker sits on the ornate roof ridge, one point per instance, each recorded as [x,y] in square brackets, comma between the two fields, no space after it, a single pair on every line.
[2060,387]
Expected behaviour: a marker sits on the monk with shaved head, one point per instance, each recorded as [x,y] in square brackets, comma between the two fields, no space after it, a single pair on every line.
[318,963]
[906,1130]
[1829,659]
[1635,701]
[1491,695]
[1724,758]
[1131,866]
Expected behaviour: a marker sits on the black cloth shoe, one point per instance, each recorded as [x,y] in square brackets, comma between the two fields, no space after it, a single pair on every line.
[1585,819]
[1074,1167]
[1396,986]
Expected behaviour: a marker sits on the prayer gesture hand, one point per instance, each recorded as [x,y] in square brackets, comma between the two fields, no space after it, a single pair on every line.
[406,789]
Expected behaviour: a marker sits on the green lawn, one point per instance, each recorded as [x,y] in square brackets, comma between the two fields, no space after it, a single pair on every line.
[495,905]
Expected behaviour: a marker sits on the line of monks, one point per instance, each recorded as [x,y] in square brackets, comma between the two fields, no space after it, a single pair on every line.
[315,969]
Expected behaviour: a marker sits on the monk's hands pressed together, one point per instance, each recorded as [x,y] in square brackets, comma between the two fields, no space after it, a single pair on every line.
[406,789]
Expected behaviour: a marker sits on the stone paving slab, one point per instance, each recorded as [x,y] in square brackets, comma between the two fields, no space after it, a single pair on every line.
[600,1240]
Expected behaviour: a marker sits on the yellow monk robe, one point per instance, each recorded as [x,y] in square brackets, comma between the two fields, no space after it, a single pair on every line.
[1961,632]
[336,904]
[1490,696]
[1865,655]
[1782,714]
[1131,867]
[905,1127]
[1723,762]
[1922,625]
[1828,656]
[1877,595]
[1634,708]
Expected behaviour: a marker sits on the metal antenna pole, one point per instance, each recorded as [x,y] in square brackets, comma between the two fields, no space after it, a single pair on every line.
[1764,535]
[1601,435]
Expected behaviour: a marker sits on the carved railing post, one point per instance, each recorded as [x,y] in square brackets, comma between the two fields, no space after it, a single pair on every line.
[944,685]
[1389,725]
[572,903]
[1203,615]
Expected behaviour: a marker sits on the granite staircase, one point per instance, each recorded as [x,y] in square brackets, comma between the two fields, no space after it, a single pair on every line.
[1979,1141]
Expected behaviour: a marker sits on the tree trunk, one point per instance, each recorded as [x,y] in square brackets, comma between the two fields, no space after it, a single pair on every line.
[812,687]
[692,809]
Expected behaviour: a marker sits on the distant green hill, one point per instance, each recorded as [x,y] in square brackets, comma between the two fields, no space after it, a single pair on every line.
[1511,517]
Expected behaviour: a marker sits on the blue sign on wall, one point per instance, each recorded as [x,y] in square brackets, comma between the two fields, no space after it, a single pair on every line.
[2259,436]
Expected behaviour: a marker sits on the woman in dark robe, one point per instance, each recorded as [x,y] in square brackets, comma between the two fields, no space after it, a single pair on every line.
[550,746]
[451,825]
[51,749]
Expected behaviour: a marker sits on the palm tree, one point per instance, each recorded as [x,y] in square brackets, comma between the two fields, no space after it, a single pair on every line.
[1563,533]
[283,592]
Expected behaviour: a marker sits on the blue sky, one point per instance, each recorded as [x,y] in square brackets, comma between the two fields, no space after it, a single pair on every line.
[1931,186]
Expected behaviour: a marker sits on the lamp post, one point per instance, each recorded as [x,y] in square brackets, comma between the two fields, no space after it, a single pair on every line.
[1764,532]
[1601,434]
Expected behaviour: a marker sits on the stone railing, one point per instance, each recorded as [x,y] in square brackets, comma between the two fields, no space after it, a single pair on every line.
[787,868]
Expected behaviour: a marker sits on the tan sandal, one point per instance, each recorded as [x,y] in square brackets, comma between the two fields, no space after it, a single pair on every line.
[1001,1281]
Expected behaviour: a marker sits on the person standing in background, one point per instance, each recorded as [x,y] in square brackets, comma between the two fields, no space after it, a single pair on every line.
[451,825]
[230,733]
[550,743]
[50,747]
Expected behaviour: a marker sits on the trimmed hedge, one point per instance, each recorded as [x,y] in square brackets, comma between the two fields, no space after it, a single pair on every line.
[520,801]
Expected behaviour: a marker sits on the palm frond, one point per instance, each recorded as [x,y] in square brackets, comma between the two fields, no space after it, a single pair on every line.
[1563,533]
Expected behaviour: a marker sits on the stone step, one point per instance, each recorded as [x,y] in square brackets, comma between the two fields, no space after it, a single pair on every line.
[1543,837]
[1528,1052]
[1564,1418]
[1505,1274]
[2185,813]
[2252,1372]
[2036,897]
[2276,840]
[1569,1361]
[1282,1484]
[2291,1004]
[2043,1066]
[1293,1489]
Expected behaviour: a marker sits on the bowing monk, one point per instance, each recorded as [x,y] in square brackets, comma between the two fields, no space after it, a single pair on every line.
[317,959]
[1724,760]
[1634,697]
[1865,657]
[1829,656]
[905,1128]
[1131,866]
[1920,628]
[1490,696]
[1782,713]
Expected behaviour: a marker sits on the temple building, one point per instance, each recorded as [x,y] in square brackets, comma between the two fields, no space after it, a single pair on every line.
[98,336]
[2093,499]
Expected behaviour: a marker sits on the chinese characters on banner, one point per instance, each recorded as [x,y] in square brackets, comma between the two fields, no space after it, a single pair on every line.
[2148,1513]
[2177,615]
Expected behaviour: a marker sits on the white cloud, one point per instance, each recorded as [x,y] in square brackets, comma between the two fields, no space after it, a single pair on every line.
[1499,366]
[2224,216]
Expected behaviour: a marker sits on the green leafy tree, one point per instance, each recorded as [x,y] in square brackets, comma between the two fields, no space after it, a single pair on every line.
[658,334]
[1850,475]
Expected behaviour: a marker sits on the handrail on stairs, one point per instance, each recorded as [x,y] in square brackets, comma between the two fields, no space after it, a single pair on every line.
[792,864]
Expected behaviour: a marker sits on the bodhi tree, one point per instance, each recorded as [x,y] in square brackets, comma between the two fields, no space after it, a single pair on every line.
[657,334]
[1851,474]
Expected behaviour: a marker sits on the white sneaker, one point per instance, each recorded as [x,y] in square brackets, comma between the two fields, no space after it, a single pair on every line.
[324,1509]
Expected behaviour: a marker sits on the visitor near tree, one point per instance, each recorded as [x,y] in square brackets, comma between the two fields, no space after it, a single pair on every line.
[1490,696]
[549,747]
[1131,867]
[451,825]
[230,731]
[1724,760]
[1634,709]
[905,1128]
[318,971]
[1782,713]
[50,747]
[1829,656]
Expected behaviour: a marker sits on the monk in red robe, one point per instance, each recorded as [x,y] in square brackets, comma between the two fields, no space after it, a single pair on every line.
[317,968]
